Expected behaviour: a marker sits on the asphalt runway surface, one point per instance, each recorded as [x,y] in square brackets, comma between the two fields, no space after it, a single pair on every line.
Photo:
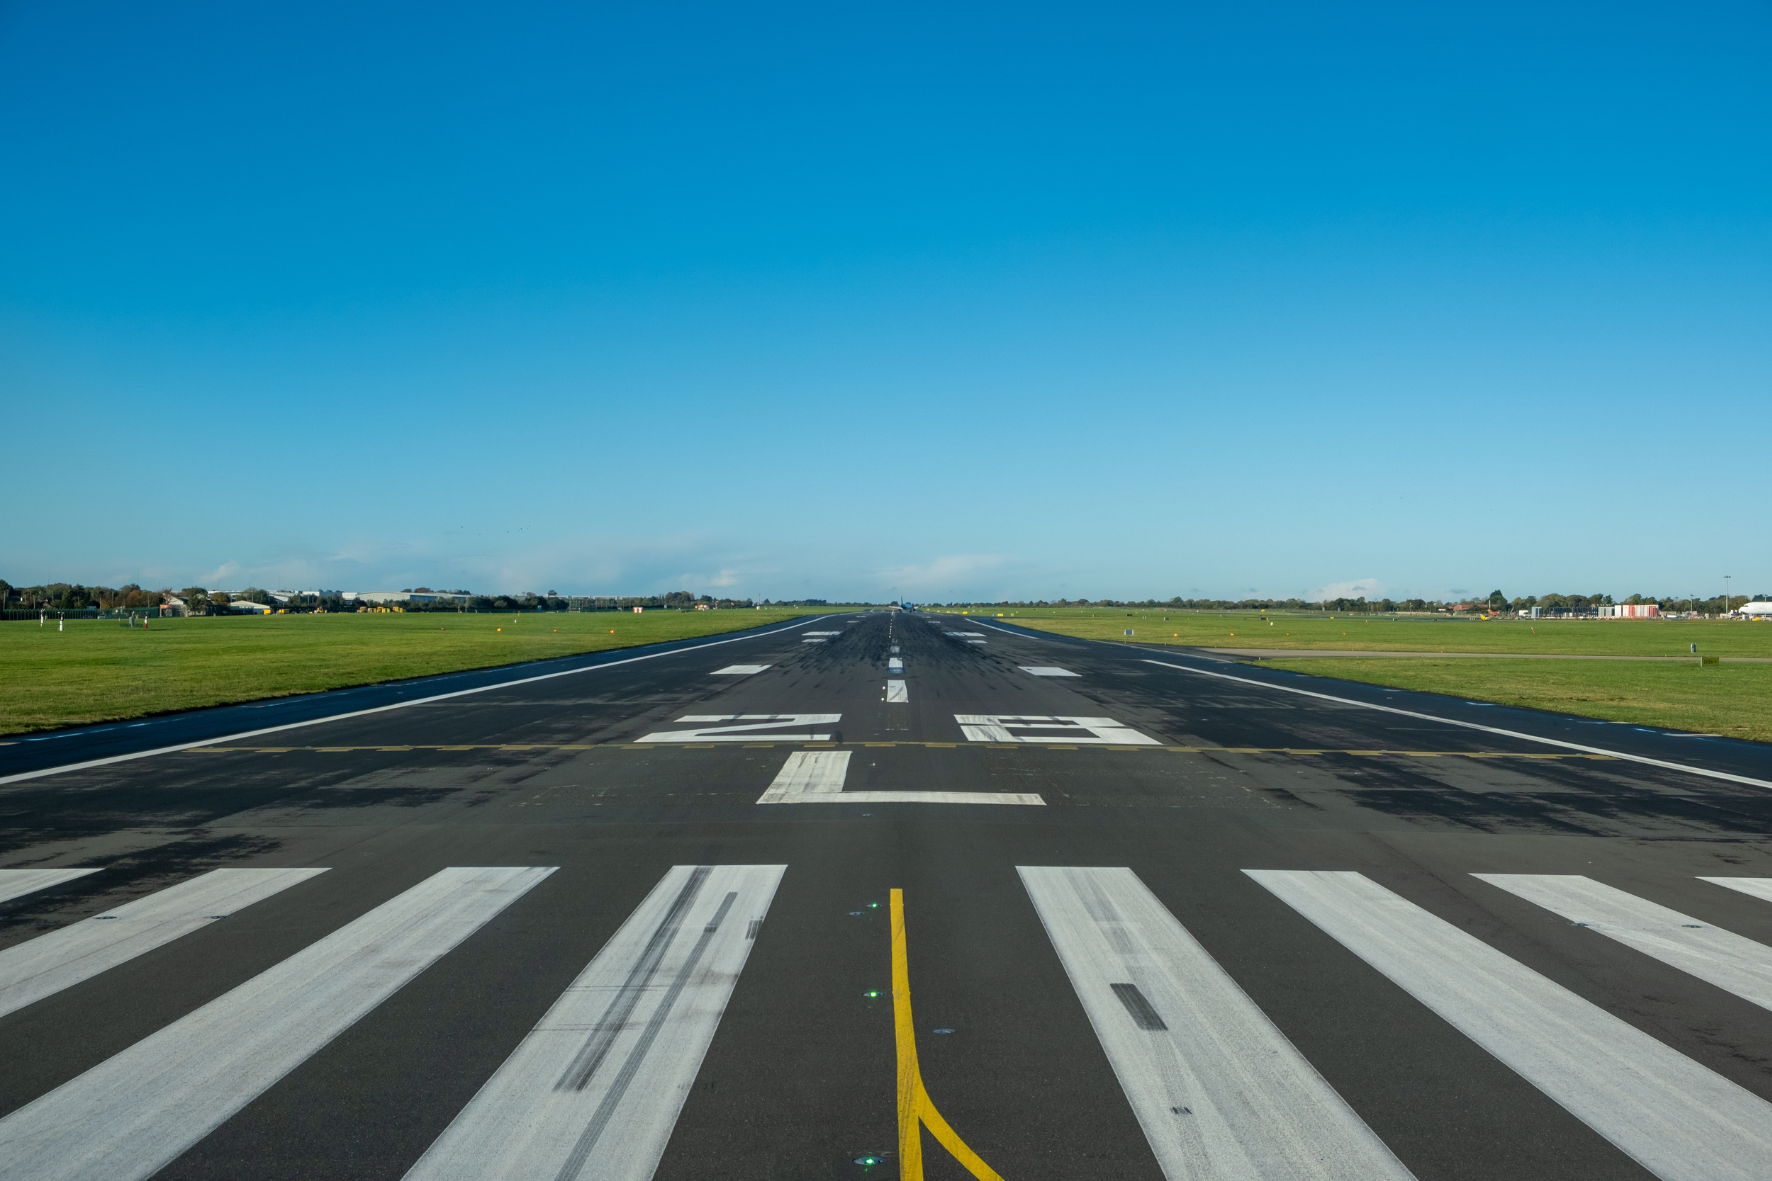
[885,895]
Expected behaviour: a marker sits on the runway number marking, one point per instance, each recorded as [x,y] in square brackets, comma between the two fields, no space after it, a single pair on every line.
[743,728]
[1058,728]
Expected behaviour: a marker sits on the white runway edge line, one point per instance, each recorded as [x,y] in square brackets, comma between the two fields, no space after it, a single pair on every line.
[897,691]
[45,965]
[1218,1089]
[596,1087]
[16,883]
[1723,958]
[816,777]
[130,1115]
[1676,1118]
[21,776]
[1409,713]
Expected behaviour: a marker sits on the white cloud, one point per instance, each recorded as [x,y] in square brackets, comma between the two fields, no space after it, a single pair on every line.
[941,574]
[1353,588]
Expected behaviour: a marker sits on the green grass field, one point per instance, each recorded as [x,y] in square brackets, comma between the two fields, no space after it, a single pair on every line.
[1241,629]
[102,671]
[1730,699]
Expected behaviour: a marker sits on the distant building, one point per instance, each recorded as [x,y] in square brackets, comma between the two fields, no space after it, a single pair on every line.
[378,598]
[1630,611]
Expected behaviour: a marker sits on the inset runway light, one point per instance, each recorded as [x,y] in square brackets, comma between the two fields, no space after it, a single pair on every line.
[868,1160]
[873,994]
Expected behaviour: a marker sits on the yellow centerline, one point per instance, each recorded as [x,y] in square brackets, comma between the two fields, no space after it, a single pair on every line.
[916,1110]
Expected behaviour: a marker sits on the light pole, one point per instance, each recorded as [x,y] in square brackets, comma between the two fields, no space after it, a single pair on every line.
[1727,597]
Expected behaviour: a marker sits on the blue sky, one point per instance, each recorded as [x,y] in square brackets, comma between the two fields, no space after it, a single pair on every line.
[829,300]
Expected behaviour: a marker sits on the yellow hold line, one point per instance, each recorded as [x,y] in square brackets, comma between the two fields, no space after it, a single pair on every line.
[915,1109]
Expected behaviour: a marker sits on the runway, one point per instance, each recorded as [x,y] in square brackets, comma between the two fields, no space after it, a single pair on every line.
[885,895]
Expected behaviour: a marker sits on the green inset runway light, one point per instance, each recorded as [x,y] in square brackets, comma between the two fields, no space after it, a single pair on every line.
[873,994]
[873,906]
[869,1160]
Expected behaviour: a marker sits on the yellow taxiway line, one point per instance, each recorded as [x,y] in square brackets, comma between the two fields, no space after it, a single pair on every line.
[916,1110]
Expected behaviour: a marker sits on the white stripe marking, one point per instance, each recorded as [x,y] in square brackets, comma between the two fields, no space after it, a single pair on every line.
[962,635]
[897,691]
[1219,1091]
[813,640]
[359,713]
[1755,887]
[895,665]
[15,883]
[893,649]
[808,772]
[596,1087]
[739,670]
[1727,960]
[1087,731]
[49,963]
[1674,1117]
[1047,670]
[835,633]
[978,641]
[134,1112]
[1557,742]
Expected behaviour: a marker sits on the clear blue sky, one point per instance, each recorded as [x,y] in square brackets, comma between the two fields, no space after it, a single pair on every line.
[836,300]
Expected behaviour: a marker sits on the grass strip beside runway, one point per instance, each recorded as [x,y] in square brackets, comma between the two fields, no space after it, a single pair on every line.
[1393,633]
[100,671]
[1734,700]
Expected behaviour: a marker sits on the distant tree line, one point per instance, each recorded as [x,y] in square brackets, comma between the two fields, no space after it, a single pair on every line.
[1495,602]
[73,596]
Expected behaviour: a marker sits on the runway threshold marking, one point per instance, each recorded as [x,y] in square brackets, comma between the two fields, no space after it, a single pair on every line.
[596,1087]
[1219,1090]
[15,883]
[916,1110]
[132,1114]
[1752,887]
[1677,1118]
[1731,962]
[45,965]
[897,691]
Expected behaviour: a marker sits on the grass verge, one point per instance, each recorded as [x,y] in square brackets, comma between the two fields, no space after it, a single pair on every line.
[1734,700]
[100,671]
[1384,633]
